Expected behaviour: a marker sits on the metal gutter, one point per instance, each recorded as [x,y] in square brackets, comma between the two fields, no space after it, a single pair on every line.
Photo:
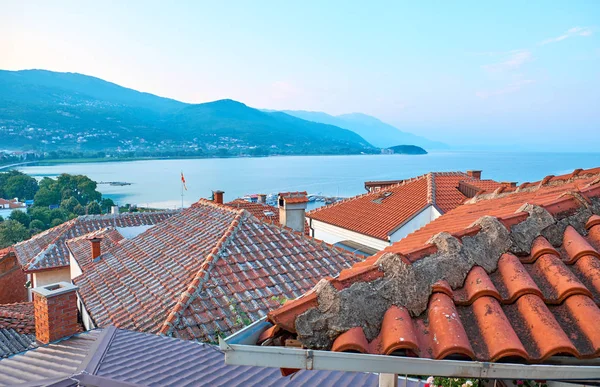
[250,334]
[282,357]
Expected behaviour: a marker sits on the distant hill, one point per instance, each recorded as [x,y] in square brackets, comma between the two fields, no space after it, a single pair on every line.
[66,110]
[407,150]
[370,128]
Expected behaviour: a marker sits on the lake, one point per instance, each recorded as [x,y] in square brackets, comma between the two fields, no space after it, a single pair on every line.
[156,183]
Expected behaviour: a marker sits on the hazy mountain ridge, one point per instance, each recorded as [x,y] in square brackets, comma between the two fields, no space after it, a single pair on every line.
[375,131]
[65,109]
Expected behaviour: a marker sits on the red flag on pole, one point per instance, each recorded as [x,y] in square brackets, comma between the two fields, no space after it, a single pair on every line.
[183,181]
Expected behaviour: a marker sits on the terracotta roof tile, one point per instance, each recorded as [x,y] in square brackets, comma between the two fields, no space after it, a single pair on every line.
[48,249]
[18,316]
[260,210]
[524,308]
[81,247]
[379,214]
[204,272]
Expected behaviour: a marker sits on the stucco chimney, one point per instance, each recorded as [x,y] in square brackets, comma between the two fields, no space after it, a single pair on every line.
[474,174]
[114,210]
[292,210]
[218,197]
[96,250]
[262,198]
[55,311]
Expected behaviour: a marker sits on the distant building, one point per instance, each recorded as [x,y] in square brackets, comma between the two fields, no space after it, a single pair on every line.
[12,204]
[393,209]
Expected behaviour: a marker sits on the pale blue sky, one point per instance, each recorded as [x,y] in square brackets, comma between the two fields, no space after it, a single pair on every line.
[463,72]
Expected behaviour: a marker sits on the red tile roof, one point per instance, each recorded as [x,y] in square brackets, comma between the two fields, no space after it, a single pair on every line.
[205,271]
[505,203]
[17,316]
[520,285]
[48,249]
[81,247]
[260,210]
[379,214]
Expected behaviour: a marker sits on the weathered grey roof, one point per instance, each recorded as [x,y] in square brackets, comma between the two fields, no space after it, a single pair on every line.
[151,360]
[12,342]
[115,357]
[54,361]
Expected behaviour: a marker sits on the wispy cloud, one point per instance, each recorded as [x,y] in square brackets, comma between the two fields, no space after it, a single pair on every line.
[575,31]
[511,60]
[511,88]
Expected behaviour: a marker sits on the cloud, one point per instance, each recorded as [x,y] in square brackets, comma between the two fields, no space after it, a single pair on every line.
[511,88]
[575,31]
[512,60]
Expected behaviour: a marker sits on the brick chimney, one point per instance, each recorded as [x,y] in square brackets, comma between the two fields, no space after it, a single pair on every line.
[55,311]
[218,197]
[96,250]
[474,174]
[292,210]
[262,198]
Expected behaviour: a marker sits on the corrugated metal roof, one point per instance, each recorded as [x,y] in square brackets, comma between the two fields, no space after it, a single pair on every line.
[152,360]
[50,362]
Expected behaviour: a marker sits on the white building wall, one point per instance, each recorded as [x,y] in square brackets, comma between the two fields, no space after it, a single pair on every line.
[333,234]
[48,277]
[74,267]
[420,220]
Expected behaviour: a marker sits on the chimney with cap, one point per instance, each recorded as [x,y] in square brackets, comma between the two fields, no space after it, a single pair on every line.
[96,250]
[55,311]
[474,174]
[292,210]
[262,198]
[218,197]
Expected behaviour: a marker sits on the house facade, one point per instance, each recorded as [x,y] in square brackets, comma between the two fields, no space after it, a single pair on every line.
[391,210]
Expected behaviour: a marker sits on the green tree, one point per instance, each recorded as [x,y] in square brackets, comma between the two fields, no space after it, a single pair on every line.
[1,219]
[106,204]
[69,204]
[79,210]
[21,186]
[93,208]
[21,217]
[46,197]
[59,213]
[56,222]
[41,214]
[12,232]
[36,226]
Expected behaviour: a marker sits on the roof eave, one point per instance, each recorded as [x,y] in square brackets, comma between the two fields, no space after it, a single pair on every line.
[386,239]
[282,357]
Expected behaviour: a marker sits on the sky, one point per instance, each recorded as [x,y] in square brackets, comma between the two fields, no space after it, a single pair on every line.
[511,74]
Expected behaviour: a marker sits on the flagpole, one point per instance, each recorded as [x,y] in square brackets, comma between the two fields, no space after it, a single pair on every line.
[182,190]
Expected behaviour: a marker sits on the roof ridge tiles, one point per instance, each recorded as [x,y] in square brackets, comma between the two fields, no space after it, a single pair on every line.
[449,258]
[431,188]
[550,180]
[373,193]
[212,204]
[204,272]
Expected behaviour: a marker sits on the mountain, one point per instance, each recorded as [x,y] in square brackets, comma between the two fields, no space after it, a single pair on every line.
[407,150]
[53,110]
[370,128]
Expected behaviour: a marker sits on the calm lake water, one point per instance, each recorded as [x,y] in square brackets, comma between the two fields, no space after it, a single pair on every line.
[156,183]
